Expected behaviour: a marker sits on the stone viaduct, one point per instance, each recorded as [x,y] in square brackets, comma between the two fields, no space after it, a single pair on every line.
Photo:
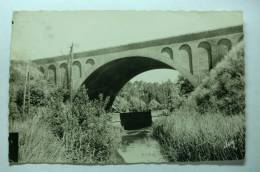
[107,70]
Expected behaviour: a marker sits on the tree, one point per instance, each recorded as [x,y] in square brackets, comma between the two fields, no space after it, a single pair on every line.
[154,105]
[120,104]
[224,89]
[184,86]
[137,105]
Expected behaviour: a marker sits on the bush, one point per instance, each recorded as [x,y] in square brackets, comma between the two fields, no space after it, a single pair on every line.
[120,105]
[78,133]
[209,124]
[184,86]
[84,128]
[38,89]
[224,89]
[137,105]
[154,105]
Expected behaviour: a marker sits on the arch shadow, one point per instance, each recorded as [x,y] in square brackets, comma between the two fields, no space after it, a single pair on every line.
[76,69]
[109,78]
[52,74]
[187,48]
[206,45]
[168,51]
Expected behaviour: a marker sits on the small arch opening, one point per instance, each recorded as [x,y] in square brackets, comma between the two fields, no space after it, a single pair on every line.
[41,69]
[76,70]
[187,49]
[52,74]
[168,51]
[90,61]
[206,46]
[64,75]
[224,46]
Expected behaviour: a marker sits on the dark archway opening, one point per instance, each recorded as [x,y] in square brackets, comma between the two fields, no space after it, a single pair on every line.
[111,77]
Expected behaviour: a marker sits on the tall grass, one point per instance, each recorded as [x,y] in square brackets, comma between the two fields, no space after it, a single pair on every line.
[37,144]
[190,136]
[84,128]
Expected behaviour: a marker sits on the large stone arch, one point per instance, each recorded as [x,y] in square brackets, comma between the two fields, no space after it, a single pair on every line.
[110,77]
[52,74]
[207,47]
[186,48]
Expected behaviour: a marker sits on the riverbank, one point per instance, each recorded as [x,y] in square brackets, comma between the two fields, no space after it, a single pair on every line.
[38,144]
[190,136]
[210,123]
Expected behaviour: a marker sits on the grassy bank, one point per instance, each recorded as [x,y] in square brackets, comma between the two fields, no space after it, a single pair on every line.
[37,144]
[52,130]
[210,123]
[190,136]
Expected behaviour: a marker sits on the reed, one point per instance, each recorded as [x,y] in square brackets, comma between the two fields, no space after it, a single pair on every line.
[187,136]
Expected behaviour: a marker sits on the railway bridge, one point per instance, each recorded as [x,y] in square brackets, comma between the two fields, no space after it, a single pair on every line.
[107,70]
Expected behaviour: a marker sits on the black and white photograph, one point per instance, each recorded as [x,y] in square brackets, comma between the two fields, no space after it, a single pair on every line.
[126,87]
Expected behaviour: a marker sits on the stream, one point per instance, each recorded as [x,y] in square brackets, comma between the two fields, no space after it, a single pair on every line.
[139,146]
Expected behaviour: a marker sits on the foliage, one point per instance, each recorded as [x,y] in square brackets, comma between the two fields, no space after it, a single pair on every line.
[37,144]
[120,105]
[190,136]
[36,86]
[154,105]
[223,90]
[184,86]
[84,128]
[79,133]
[144,95]
[137,105]
[210,122]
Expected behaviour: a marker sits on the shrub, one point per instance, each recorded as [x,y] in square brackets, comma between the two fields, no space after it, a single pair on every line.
[184,86]
[38,89]
[154,105]
[84,128]
[120,105]
[210,123]
[88,135]
[223,90]
[137,105]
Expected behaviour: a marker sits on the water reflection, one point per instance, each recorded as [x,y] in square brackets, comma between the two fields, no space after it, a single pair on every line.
[138,146]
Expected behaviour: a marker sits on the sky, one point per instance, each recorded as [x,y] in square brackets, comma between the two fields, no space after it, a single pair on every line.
[157,75]
[47,34]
